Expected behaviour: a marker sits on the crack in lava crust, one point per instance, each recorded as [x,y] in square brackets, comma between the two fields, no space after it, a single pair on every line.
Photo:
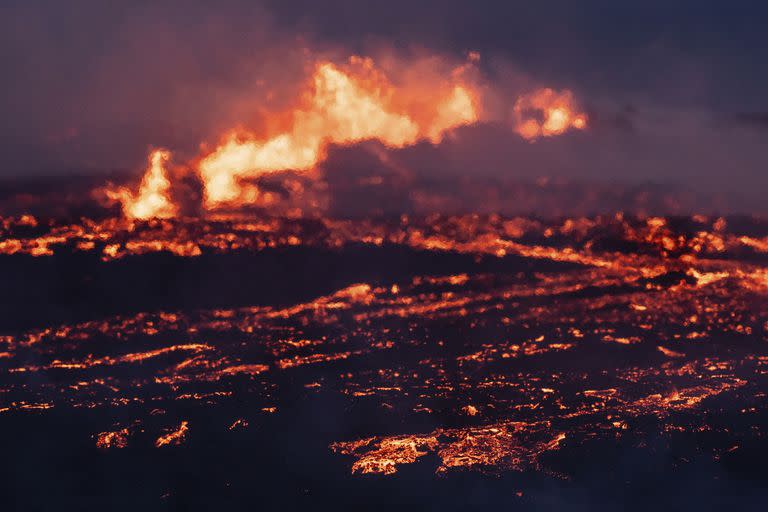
[531,342]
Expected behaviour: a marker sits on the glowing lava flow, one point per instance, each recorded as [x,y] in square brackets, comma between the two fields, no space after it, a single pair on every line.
[343,105]
[343,109]
[546,112]
[153,198]
[466,371]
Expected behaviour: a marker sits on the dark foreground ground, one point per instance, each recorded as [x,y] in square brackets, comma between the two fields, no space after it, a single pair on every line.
[443,364]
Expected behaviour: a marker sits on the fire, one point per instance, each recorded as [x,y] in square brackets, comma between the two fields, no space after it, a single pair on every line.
[492,370]
[458,109]
[153,198]
[344,108]
[116,439]
[546,112]
[174,437]
[343,105]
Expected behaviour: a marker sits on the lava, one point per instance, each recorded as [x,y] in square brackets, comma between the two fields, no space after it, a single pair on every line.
[114,439]
[340,105]
[153,197]
[343,109]
[669,310]
[174,437]
[546,112]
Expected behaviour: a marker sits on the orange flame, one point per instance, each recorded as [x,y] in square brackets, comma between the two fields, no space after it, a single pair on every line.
[153,198]
[344,105]
[344,108]
[546,112]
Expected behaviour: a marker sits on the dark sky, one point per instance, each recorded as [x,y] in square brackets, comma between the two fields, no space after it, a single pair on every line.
[677,90]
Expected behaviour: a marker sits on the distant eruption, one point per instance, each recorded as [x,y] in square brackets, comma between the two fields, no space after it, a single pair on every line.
[153,197]
[343,105]
[546,112]
[343,109]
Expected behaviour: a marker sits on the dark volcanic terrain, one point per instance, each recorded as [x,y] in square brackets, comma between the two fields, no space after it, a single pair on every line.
[440,362]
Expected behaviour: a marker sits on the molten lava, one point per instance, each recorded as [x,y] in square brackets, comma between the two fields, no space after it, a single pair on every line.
[546,112]
[344,108]
[343,105]
[153,198]
[555,337]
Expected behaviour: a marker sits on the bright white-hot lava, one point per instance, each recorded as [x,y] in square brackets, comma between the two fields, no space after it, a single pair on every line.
[546,112]
[153,197]
[342,105]
[344,109]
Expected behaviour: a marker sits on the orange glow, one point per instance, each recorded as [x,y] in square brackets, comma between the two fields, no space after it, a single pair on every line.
[153,198]
[345,106]
[546,112]
[116,439]
[656,289]
[174,437]
[342,104]
[458,109]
